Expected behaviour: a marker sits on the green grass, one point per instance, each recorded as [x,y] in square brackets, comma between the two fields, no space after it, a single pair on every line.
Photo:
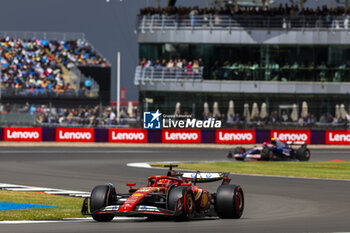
[67,207]
[331,170]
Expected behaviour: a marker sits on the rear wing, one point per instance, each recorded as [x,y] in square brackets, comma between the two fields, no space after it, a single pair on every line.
[295,143]
[200,177]
[206,177]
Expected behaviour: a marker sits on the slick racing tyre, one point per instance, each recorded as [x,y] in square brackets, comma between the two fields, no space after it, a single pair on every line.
[181,200]
[229,201]
[99,199]
[239,150]
[266,154]
[303,154]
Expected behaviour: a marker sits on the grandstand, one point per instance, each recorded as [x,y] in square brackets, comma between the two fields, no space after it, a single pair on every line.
[279,58]
[59,68]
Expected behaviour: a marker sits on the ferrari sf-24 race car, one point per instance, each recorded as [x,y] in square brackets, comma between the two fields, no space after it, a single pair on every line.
[276,150]
[175,195]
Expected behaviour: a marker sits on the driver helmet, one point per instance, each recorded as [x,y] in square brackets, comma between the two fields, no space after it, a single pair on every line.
[273,141]
[162,182]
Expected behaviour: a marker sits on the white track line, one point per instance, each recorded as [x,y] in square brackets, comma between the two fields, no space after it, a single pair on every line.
[68,220]
[142,165]
[52,191]
[79,152]
[147,165]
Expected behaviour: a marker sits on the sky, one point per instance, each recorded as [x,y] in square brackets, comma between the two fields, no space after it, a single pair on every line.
[109,26]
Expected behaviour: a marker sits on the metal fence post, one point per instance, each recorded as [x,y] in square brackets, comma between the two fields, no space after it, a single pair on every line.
[143,24]
[143,76]
[163,19]
[163,73]
[151,26]
[229,25]
[151,79]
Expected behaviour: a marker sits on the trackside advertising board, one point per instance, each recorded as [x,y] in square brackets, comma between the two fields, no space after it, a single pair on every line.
[127,135]
[291,135]
[181,136]
[172,135]
[26,134]
[338,137]
[75,135]
[234,136]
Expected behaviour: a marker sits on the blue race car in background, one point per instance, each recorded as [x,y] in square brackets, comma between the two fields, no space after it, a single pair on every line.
[276,150]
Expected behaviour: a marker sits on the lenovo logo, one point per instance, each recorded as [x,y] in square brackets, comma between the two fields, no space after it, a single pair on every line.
[74,135]
[338,137]
[128,135]
[181,136]
[235,136]
[291,135]
[22,134]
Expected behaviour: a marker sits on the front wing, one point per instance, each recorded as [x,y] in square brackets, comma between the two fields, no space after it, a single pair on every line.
[138,211]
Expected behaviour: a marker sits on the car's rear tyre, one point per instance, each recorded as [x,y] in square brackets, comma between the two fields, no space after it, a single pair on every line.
[229,201]
[239,150]
[303,154]
[181,199]
[100,196]
[266,154]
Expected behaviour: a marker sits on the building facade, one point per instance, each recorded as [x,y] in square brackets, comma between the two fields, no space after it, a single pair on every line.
[274,60]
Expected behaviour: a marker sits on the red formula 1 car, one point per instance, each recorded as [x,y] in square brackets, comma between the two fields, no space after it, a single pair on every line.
[175,195]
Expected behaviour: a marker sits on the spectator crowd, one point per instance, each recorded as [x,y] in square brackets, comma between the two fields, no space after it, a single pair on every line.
[79,116]
[274,71]
[25,64]
[174,62]
[34,65]
[292,10]
[76,52]
[105,116]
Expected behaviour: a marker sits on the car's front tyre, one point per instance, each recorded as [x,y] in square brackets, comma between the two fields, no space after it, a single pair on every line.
[181,199]
[100,197]
[239,150]
[266,154]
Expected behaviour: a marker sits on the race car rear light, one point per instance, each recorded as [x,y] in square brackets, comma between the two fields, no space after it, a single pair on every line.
[130,184]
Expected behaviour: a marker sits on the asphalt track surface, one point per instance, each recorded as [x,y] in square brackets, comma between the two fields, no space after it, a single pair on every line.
[272,204]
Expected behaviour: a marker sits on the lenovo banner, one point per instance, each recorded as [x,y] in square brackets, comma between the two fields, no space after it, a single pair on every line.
[235,136]
[22,134]
[75,135]
[291,135]
[181,135]
[338,137]
[127,135]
